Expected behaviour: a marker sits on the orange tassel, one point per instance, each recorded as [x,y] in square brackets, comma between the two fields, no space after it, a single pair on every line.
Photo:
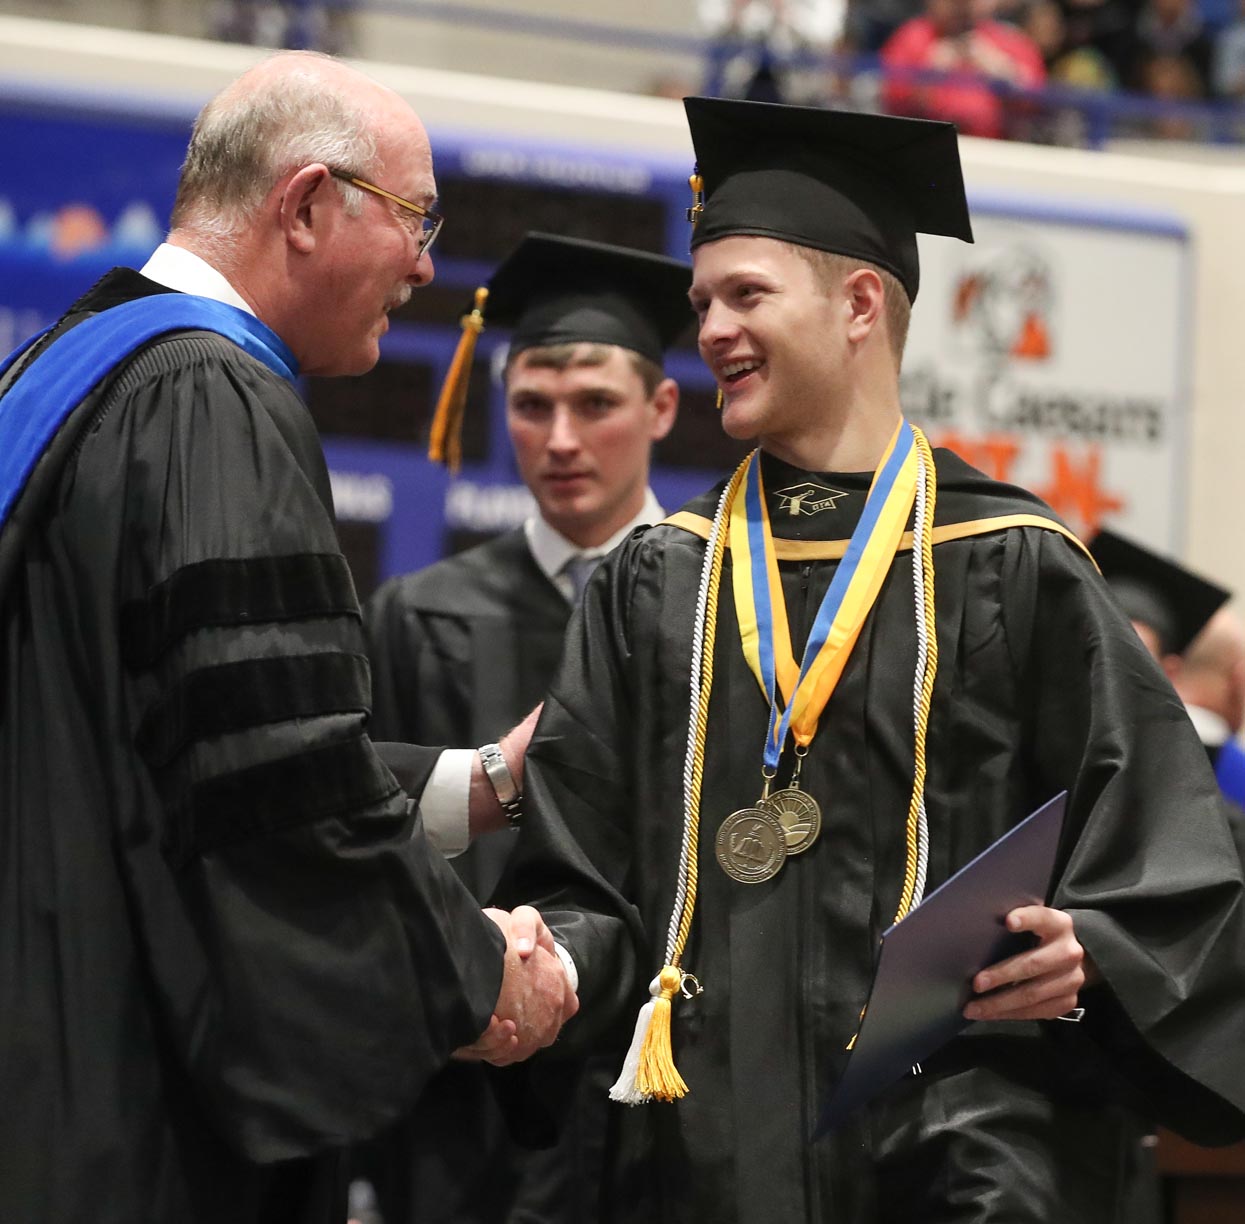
[445,442]
[697,184]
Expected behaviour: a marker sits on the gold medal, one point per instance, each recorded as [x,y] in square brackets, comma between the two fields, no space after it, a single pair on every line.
[751,845]
[799,815]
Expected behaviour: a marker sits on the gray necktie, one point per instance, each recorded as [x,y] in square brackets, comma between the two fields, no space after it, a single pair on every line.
[579,569]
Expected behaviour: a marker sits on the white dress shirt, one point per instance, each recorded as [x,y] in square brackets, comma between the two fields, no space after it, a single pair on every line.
[175,268]
[551,550]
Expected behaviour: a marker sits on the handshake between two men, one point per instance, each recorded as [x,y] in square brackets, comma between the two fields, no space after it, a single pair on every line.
[536,999]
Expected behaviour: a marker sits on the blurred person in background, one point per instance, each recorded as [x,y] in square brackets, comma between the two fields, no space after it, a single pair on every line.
[1182,619]
[1228,58]
[752,42]
[1210,679]
[1169,32]
[1077,67]
[960,38]
[1172,78]
[297,25]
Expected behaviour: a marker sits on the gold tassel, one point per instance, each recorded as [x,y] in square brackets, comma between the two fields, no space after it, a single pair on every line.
[445,442]
[697,184]
[656,1076]
[720,399]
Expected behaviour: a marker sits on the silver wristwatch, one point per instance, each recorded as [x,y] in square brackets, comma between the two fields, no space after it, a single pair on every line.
[503,782]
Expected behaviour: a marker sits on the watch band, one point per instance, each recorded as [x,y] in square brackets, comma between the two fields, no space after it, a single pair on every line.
[499,775]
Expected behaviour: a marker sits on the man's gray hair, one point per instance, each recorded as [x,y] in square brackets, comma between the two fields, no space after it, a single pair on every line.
[244,141]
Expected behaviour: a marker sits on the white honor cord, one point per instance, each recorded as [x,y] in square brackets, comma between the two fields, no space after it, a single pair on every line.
[920,530]
[698,650]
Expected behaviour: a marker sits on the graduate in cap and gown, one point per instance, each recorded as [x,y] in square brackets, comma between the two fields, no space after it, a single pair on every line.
[1182,619]
[466,648]
[814,693]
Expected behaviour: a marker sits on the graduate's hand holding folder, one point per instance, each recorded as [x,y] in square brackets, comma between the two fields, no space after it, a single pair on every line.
[973,934]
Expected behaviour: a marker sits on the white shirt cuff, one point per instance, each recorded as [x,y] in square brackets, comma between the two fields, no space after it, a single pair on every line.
[444,803]
[572,974]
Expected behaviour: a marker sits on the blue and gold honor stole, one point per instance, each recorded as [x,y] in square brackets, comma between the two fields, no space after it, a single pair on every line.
[798,695]
[40,401]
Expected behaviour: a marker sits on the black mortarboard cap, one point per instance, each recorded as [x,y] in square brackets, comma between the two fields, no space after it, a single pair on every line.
[1172,600]
[852,183]
[553,290]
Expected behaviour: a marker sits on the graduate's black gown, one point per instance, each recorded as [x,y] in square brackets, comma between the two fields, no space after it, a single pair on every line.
[1042,685]
[461,652]
[226,947]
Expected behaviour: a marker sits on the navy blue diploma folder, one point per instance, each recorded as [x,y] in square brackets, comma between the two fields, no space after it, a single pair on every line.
[928,961]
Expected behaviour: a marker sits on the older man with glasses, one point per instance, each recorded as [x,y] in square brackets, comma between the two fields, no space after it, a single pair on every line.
[227,948]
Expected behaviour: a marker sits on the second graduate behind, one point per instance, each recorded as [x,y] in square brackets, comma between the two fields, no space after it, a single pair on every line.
[464,649]
[805,266]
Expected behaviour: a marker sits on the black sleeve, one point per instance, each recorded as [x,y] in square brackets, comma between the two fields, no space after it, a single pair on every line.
[331,959]
[1150,873]
[573,860]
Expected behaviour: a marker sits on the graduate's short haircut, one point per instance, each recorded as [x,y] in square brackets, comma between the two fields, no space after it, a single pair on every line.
[830,269]
[243,141]
[583,353]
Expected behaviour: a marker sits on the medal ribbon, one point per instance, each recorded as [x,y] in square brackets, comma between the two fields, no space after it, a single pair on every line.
[762,614]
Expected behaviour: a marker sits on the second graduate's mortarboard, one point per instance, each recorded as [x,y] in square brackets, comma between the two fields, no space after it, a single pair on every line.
[854,184]
[553,290]
[1172,600]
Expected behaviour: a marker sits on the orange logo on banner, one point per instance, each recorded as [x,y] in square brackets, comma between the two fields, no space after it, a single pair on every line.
[1076,492]
[995,454]
[1004,301]
[1033,343]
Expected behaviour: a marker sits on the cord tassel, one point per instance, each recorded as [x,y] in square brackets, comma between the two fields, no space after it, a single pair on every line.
[657,1078]
[648,1071]
[445,441]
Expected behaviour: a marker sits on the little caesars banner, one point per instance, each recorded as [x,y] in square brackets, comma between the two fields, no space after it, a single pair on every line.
[1052,354]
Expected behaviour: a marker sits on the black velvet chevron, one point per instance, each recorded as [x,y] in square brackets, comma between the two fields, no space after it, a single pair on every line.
[281,794]
[213,594]
[251,693]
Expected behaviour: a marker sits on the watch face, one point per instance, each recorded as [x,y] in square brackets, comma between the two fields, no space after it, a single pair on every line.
[499,774]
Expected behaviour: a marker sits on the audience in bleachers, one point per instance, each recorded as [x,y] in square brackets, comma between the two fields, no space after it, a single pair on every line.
[960,38]
[994,51]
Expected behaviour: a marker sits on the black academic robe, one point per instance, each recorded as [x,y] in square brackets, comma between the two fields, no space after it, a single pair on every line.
[461,652]
[1041,686]
[466,648]
[226,947]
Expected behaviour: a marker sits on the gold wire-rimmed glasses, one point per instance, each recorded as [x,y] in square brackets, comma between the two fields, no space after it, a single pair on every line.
[432,221]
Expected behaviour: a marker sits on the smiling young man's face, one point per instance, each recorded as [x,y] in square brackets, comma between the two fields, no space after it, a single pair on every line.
[582,436]
[773,337]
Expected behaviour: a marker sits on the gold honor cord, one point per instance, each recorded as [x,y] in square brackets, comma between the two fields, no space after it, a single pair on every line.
[649,1072]
[924,564]
[916,830]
